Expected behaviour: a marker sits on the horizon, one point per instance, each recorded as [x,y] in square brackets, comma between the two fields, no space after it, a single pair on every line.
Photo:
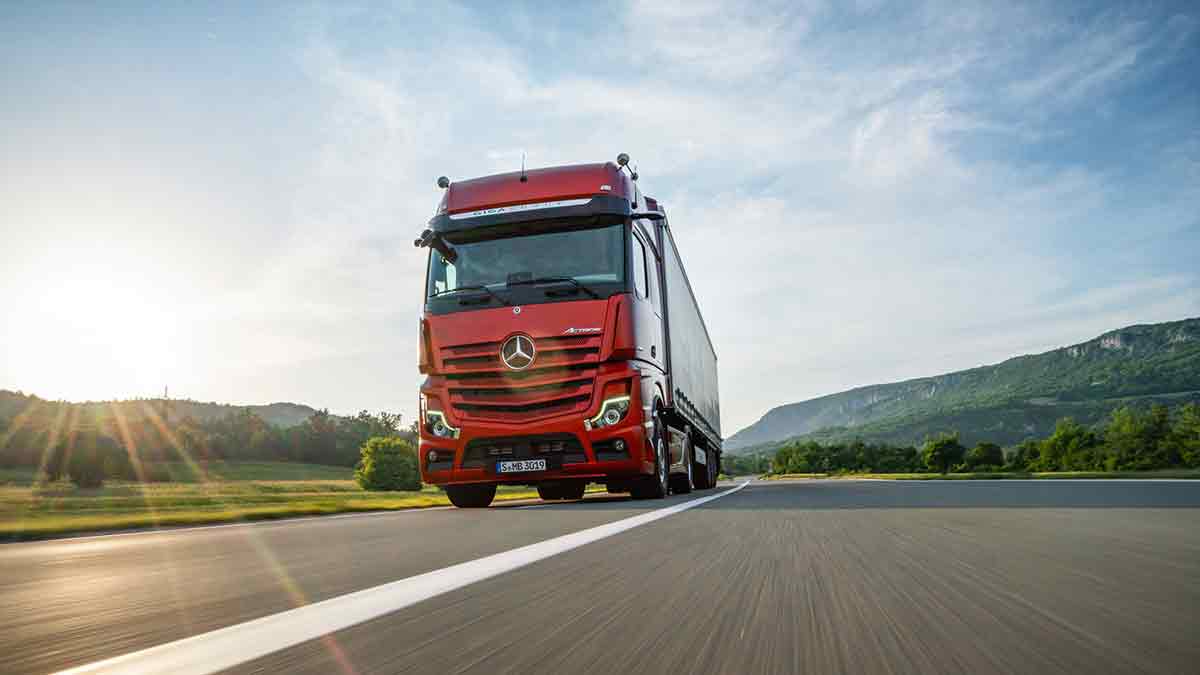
[349,413]
[860,195]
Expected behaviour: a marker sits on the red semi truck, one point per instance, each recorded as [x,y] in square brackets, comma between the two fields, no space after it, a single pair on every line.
[562,341]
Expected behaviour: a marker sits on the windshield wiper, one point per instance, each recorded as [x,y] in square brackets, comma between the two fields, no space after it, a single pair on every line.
[554,280]
[485,289]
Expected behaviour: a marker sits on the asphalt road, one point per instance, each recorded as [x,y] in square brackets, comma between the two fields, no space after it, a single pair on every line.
[811,576]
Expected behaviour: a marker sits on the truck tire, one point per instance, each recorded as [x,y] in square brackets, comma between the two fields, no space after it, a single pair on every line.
[682,483]
[471,496]
[573,491]
[617,487]
[703,472]
[549,492]
[658,485]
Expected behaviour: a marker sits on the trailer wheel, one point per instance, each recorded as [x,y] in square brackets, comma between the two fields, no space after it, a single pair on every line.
[471,496]
[658,485]
[682,484]
[703,472]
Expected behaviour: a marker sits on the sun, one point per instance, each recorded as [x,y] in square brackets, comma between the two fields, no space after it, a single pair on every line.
[92,333]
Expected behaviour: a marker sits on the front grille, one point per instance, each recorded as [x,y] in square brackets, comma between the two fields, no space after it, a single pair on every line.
[483,451]
[560,380]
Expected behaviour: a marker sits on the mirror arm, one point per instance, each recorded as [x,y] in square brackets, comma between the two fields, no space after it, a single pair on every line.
[434,240]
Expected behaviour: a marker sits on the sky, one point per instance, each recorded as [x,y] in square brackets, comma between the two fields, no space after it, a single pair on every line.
[222,198]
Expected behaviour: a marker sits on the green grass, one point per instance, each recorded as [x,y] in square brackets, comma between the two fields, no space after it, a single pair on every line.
[36,512]
[181,472]
[1054,475]
[29,510]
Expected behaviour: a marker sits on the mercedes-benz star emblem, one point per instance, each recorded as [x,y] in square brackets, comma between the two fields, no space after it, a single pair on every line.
[517,352]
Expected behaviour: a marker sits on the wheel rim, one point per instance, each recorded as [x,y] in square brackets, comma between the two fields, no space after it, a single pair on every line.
[664,468]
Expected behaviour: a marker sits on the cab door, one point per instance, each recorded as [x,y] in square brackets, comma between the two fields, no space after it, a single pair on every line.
[648,306]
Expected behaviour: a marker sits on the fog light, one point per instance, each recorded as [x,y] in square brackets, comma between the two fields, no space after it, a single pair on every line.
[431,456]
[619,445]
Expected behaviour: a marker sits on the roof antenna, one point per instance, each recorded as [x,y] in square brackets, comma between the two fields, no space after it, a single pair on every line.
[524,178]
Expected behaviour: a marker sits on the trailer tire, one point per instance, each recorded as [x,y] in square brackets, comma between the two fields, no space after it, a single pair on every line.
[682,484]
[703,472]
[471,496]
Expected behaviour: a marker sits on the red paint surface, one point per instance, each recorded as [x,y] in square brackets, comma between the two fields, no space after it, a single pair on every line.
[555,183]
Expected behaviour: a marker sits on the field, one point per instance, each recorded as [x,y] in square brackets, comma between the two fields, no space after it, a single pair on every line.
[232,492]
[180,472]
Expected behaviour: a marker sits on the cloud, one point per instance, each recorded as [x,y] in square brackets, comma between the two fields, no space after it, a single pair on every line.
[717,40]
[839,233]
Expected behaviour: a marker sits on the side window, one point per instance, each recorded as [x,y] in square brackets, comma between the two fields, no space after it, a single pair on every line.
[639,267]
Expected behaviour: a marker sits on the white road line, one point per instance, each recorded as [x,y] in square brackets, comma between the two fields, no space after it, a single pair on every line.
[230,646]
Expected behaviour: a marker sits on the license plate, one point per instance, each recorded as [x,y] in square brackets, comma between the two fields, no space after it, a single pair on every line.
[521,466]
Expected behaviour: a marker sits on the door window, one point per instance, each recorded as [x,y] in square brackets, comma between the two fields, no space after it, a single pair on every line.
[639,267]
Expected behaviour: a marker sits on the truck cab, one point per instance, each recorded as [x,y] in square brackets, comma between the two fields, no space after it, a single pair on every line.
[545,341]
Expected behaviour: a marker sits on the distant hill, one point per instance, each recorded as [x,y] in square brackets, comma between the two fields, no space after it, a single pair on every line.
[276,414]
[1007,402]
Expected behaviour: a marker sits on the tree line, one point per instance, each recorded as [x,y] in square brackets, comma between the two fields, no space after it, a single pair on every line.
[49,436]
[1130,440]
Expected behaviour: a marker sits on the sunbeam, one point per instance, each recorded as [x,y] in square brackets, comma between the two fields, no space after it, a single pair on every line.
[286,582]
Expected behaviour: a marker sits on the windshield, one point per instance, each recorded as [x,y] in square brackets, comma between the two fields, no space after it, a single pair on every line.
[588,256]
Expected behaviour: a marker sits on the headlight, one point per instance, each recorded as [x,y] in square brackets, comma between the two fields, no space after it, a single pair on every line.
[612,411]
[437,425]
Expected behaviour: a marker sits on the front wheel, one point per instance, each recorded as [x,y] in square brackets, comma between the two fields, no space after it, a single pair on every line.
[471,496]
[573,491]
[656,486]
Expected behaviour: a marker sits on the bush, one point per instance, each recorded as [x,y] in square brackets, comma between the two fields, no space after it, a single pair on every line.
[943,452]
[88,451]
[155,473]
[984,455]
[388,463]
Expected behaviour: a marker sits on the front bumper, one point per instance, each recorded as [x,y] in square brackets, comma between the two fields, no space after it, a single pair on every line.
[633,434]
